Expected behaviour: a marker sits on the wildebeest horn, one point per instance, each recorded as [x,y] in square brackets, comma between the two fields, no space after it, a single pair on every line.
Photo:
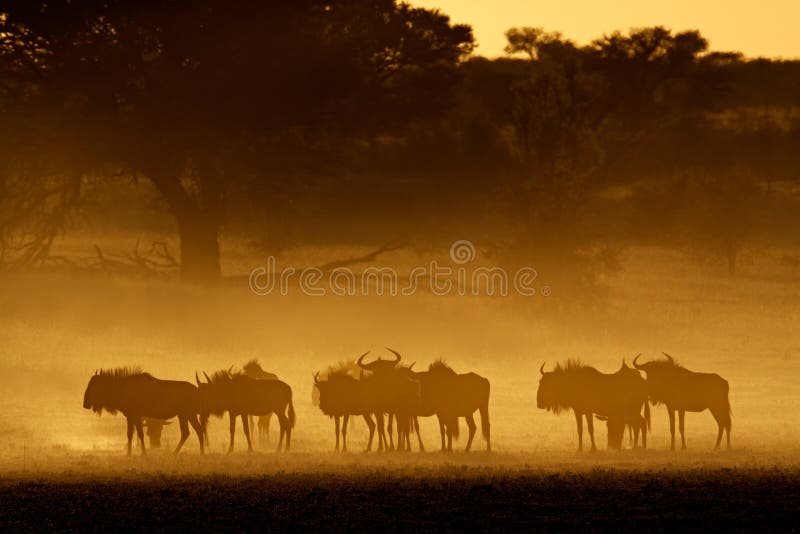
[397,354]
[412,366]
[197,379]
[361,359]
[230,370]
[541,369]
[206,375]
[634,361]
[668,356]
[96,371]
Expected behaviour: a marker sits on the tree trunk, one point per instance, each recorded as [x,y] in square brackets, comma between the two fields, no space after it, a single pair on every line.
[198,218]
[200,256]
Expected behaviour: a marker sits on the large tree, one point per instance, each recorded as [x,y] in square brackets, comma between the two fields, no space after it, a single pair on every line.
[198,97]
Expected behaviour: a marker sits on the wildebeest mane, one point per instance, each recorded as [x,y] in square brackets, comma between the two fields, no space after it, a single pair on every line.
[570,366]
[123,372]
[224,375]
[340,369]
[440,366]
[253,366]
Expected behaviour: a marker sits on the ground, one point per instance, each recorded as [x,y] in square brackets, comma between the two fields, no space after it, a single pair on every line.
[401,492]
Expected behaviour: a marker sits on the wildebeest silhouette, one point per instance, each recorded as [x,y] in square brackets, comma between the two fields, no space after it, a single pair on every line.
[253,369]
[138,394]
[631,378]
[619,396]
[240,396]
[425,406]
[393,393]
[454,395]
[616,424]
[153,428]
[342,395]
[682,390]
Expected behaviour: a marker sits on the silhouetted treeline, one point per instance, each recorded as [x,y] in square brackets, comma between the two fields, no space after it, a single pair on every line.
[367,121]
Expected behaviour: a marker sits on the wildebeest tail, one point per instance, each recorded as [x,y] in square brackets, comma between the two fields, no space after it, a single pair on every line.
[728,410]
[485,420]
[291,414]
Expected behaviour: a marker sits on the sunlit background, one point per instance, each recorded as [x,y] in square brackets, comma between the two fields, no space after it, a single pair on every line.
[767,28]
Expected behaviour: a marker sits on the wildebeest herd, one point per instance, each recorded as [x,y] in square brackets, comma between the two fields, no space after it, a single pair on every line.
[387,393]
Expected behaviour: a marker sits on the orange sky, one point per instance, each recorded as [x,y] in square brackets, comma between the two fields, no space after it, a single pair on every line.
[757,28]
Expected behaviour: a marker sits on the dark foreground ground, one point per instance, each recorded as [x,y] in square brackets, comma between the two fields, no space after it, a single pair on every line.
[604,499]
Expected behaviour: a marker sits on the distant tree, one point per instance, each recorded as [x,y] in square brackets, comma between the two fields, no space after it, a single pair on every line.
[198,98]
[577,113]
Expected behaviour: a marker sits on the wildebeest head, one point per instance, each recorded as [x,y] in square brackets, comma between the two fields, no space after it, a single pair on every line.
[339,393]
[214,391]
[93,394]
[555,387]
[253,369]
[103,387]
[380,365]
[616,431]
[655,365]
[154,428]
[348,367]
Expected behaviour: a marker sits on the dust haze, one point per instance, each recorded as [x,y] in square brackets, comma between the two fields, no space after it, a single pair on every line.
[569,201]
[57,330]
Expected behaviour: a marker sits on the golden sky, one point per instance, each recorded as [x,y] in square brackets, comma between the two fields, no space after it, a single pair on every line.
[757,28]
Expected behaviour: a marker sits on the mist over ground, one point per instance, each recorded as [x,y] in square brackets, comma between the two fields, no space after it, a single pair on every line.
[59,329]
[638,193]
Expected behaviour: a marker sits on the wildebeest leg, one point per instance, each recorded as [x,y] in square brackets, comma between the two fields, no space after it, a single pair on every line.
[263,427]
[382,444]
[246,425]
[590,428]
[130,433]
[472,427]
[337,422]
[251,422]
[140,434]
[441,430]
[233,430]
[486,426]
[419,437]
[579,422]
[344,432]
[681,416]
[721,427]
[671,426]
[402,428]
[184,424]
[204,426]
[449,427]
[286,428]
[391,418]
[199,430]
[371,426]
[643,424]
